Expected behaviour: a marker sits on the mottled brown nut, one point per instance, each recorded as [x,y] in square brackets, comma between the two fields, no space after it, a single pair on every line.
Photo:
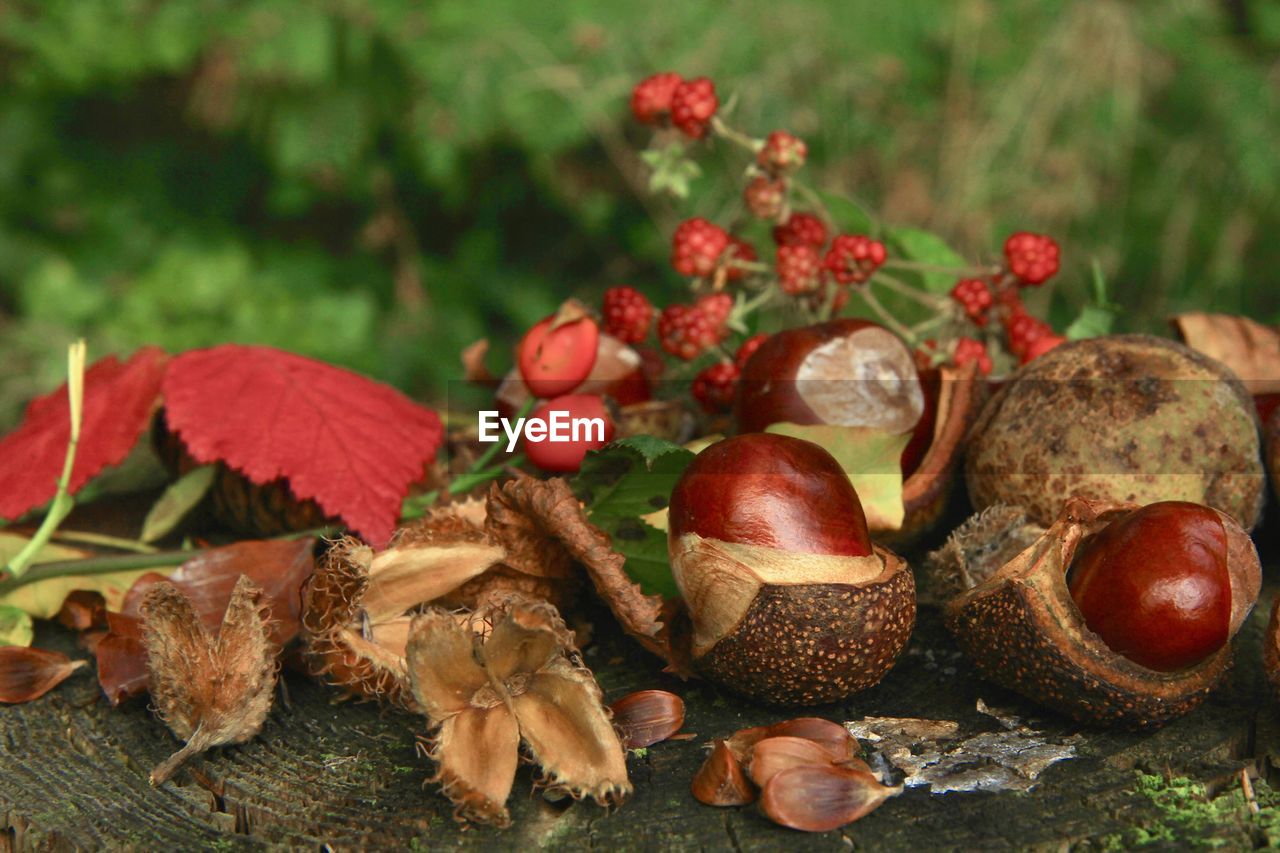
[1022,630]
[1126,418]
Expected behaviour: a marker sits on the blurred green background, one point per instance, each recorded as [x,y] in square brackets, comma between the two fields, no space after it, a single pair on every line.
[379,182]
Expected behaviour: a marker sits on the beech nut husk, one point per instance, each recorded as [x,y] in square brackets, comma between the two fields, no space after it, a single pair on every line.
[793,629]
[1022,630]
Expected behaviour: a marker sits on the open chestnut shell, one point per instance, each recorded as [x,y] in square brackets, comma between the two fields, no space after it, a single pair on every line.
[1022,630]
[958,395]
[789,601]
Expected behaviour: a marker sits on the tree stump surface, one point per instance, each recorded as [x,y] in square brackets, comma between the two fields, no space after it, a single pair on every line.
[348,776]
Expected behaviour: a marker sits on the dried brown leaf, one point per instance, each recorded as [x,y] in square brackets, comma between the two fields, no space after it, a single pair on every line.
[540,522]
[1250,349]
[209,691]
[28,673]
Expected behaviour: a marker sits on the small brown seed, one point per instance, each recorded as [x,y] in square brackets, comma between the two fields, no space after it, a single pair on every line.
[647,717]
[720,780]
[833,736]
[818,798]
[775,754]
[27,673]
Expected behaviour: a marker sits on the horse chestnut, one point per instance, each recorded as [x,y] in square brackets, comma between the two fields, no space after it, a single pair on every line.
[846,372]
[789,600]
[1154,584]
[1141,576]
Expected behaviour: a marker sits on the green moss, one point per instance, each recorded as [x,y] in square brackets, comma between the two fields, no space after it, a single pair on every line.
[1187,817]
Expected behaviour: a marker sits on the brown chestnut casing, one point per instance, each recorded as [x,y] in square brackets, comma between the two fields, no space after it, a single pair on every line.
[789,601]
[1271,648]
[1022,630]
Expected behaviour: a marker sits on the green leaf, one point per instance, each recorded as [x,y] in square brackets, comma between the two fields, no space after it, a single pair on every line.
[850,217]
[179,499]
[1099,316]
[872,459]
[15,626]
[925,247]
[621,484]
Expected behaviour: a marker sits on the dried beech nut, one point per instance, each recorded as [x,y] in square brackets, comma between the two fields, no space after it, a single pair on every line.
[1273,448]
[789,601]
[816,798]
[1023,630]
[775,754]
[720,780]
[647,717]
[832,737]
[1123,418]
[1155,585]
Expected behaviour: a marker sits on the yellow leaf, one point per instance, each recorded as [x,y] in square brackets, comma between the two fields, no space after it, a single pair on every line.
[873,460]
[43,599]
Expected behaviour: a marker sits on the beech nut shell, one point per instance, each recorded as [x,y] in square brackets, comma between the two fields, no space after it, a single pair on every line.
[1022,630]
[1129,418]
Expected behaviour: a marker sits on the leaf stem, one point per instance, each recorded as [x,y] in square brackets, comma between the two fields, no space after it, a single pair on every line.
[117,542]
[95,566]
[62,503]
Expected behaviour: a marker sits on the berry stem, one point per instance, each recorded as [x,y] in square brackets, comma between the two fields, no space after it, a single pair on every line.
[811,196]
[919,266]
[737,137]
[900,287]
[885,317]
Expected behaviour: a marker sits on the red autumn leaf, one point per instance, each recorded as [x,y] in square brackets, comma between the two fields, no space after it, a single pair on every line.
[350,444]
[119,399]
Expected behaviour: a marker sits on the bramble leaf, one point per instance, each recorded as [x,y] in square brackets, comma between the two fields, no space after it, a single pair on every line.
[351,444]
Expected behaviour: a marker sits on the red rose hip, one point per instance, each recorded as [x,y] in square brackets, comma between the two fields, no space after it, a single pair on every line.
[557,354]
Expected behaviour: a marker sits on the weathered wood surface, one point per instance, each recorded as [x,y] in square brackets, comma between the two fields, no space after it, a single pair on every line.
[347,776]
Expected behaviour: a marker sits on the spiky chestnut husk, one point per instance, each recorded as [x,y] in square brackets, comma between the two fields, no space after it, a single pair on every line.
[790,602]
[1022,630]
[1130,418]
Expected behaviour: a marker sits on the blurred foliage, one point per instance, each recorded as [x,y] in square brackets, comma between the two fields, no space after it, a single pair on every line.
[378,182]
